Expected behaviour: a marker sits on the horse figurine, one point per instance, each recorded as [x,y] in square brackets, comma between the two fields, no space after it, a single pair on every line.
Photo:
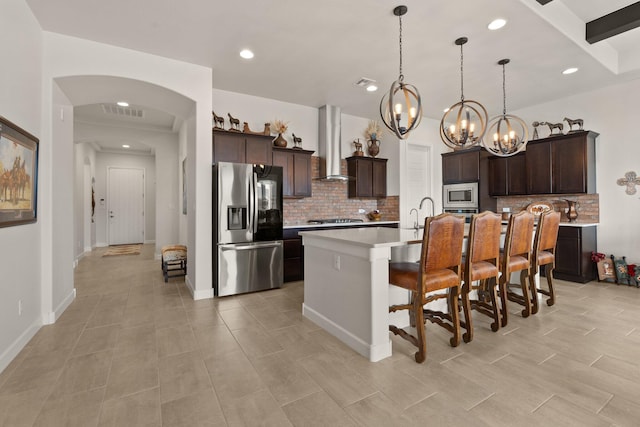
[553,126]
[574,122]
[218,121]
[296,141]
[235,123]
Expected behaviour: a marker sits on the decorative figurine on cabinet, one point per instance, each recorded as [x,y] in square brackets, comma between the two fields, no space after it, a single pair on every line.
[571,122]
[218,121]
[235,123]
[358,146]
[297,141]
[553,126]
[535,129]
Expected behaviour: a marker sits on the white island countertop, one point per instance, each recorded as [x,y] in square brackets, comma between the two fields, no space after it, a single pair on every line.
[372,237]
[300,225]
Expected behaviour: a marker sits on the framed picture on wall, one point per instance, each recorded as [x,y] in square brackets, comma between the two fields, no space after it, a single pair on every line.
[18,175]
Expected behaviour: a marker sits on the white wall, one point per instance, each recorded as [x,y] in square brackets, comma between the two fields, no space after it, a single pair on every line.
[613,113]
[182,155]
[20,103]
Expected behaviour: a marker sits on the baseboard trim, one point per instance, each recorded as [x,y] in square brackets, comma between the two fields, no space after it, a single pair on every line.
[198,294]
[52,316]
[16,347]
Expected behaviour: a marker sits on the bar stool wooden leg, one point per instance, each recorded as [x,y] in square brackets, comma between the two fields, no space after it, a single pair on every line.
[467,336]
[421,343]
[455,315]
[534,293]
[502,289]
[491,288]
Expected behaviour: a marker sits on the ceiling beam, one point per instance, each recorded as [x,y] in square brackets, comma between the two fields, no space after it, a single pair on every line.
[543,2]
[615,23]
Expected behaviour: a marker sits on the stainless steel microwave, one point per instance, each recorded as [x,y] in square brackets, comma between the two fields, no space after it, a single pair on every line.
[460,196]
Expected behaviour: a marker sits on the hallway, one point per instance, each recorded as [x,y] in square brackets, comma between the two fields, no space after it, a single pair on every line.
[132,350]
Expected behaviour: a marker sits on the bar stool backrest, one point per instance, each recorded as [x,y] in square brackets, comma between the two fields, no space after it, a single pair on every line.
[520,235]
[442,243]
[547,232]
[484,238]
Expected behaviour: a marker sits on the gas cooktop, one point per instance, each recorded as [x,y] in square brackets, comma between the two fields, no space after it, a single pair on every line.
[334,221]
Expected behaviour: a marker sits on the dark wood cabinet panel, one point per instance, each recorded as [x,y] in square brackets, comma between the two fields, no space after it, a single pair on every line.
[228,147]
[296,171]
[379,178]
[461,166]
[538,160]
[517,176]
[572,163]
[369,177]
[302,175]
[573,254]
[507,175]
[258,150]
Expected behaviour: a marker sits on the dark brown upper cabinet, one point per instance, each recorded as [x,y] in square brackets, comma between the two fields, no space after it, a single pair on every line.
[238,147]
[369,177]
[563,164]
[296,171]
[507,175]
[461,166]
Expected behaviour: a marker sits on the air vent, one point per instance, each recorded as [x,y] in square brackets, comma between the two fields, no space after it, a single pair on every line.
[123,111]
[364,82]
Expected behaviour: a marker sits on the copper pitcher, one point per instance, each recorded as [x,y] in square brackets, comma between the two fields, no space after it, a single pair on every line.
[572,212]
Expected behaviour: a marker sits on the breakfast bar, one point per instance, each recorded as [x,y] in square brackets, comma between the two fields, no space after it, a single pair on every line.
[346,288]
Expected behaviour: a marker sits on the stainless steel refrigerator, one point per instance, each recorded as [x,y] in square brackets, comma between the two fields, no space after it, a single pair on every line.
[247,228]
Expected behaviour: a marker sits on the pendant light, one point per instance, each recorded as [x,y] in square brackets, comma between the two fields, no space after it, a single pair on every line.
[464,123]
[401,108]
[507,134]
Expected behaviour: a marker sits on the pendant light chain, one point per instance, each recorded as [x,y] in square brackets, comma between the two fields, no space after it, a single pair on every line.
[461,75]
[504,92]
[401,77]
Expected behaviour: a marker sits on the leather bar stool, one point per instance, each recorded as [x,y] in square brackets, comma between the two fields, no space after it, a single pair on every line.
[544,255]
[516,256]
[438,269]
[480,270]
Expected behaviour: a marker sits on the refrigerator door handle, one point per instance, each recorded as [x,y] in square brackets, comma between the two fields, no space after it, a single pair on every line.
[255,202]
[251,246]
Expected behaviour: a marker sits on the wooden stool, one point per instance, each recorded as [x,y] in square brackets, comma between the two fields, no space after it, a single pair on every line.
[174,261]
[438,269]
[517,257]
[481,266]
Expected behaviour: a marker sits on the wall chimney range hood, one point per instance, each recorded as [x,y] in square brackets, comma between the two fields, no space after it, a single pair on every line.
[329,143]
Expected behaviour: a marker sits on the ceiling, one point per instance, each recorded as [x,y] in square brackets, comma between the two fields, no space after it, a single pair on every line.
[312,52]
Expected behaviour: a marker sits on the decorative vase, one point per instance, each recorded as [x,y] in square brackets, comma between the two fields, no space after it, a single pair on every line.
[373,147]
[572,212]
[280,141]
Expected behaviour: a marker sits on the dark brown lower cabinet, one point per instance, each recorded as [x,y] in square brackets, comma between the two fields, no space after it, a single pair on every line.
[294,250]
[573,254]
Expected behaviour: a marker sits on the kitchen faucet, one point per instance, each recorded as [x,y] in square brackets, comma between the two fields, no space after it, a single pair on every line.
[415,224]
[433,204]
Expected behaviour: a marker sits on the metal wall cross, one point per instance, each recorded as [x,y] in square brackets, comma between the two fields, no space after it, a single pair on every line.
[630,180]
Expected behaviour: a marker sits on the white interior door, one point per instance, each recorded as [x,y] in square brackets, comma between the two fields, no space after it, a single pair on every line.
[126,206]
[415,183]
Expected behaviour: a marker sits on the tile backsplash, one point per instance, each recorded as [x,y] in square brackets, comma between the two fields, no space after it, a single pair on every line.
[329,200]
[588,206]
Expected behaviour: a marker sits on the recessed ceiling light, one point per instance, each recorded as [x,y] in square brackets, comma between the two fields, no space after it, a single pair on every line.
[122,104]
[496,24]
[126,146]
[246,54]
[570,70]
[372,88]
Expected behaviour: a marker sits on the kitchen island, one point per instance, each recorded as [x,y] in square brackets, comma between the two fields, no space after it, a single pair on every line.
[346,286]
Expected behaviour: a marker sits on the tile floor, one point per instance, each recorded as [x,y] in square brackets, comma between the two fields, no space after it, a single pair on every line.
[132,350]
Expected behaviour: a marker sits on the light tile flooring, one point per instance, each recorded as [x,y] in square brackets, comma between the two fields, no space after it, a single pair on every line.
[132,350]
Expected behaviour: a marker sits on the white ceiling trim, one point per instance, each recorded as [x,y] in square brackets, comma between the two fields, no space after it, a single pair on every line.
[569,24]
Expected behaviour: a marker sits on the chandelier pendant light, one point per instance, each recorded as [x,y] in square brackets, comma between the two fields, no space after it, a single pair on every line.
[401,108]
[507,134]
[464,123]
